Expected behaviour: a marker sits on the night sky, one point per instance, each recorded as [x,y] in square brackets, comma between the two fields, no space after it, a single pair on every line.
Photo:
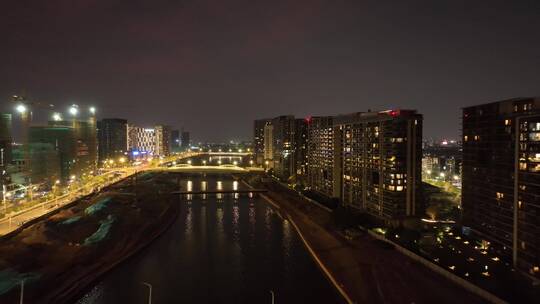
[214,66]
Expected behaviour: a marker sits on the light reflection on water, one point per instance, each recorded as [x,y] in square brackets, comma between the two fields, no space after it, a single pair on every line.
[233,251]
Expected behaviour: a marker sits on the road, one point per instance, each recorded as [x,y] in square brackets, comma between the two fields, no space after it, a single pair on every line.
[10,223]
[14,220]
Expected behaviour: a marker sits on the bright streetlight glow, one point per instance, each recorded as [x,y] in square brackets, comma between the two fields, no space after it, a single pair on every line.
[73,110]
[235,163]
[456,177]
[189,162]
[122,159]
[442,174]
[92,110]
[21,108]
[56,116]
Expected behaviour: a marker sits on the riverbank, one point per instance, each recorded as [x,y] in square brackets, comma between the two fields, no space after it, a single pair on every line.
[368,270]
[60,255]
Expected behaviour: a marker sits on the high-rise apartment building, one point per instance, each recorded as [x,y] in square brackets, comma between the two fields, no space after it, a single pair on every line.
[258,140]
[321,156]
[86,143]
[379,155]
[6,141]
[283,141]
[501,177]
[185,141]
[268,143]
[175,140]
[65,143]
[112,138]
[300,150]
[163,140]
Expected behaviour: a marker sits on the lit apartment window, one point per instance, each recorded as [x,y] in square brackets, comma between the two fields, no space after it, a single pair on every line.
[534,168]
[399,188]
[507,122]
[519,204]
[500,195]
[535,126]
[465,138]
[534,157]
[535,136]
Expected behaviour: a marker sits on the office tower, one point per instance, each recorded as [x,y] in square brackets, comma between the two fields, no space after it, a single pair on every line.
[379,155]
[141,141]
[501,177]
[112,138]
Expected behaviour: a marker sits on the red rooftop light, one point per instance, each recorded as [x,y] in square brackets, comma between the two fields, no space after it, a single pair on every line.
[394,113]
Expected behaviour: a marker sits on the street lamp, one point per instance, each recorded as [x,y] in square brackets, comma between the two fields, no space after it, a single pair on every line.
[56,116]
[21,108]
[74,110]
[149,291]
[92,110]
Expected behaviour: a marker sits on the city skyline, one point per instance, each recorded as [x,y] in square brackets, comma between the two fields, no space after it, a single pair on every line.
[233,62]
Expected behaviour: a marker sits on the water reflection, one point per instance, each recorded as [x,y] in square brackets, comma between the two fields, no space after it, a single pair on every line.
[233,251]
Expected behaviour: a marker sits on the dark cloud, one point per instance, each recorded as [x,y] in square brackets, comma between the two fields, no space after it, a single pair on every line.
[212,65]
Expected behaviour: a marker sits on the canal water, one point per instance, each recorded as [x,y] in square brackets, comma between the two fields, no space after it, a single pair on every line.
[221,249]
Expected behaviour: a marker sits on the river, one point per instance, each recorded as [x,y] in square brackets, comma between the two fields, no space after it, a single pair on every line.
[221,249]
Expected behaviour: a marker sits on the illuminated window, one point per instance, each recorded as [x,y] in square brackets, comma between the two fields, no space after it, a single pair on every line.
[465,138]
[519,204]
[522,166]
[534,168]
[507,122]
[500,195]
[535,126]
[535,136]
[399,188]
[534,157]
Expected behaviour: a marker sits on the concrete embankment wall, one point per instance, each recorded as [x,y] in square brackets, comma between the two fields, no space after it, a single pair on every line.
[486,295]
[311,251]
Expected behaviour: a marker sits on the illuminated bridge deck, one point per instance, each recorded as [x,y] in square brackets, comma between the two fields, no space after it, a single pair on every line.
[221,191]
